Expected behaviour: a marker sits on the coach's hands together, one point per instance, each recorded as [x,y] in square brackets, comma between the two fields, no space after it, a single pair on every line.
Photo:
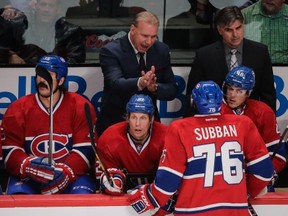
[149,80]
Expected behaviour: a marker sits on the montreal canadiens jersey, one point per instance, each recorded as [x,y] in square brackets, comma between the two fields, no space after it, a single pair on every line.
[212,162]
[118,151]
[26,131]
[265,120]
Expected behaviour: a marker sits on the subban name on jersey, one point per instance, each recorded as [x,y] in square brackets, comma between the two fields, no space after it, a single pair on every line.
[205,133]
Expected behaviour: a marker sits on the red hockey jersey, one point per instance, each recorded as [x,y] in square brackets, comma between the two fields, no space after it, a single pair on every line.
[117,150]
[26,131]
[265,120]
[212,162]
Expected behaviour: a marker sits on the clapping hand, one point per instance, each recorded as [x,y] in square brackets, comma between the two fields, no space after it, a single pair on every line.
[149,80]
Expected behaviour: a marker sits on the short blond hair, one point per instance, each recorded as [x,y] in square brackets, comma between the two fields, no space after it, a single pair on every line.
[147,17]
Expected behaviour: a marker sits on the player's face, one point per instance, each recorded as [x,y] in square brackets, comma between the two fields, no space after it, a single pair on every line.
[143,36]
[233,34]
[139,125]
[235,96]
[43,87]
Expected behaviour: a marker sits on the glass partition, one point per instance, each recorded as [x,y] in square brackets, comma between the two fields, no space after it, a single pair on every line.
[53,26]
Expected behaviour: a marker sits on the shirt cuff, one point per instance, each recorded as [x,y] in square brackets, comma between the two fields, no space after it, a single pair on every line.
[138,85]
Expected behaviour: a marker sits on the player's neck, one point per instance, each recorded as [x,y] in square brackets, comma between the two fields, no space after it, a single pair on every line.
[141,141]
[46,100]
[240,110]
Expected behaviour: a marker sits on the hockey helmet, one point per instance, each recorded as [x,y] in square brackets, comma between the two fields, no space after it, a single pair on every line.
[207,96]
[140,103]
[55,64]
[242,77]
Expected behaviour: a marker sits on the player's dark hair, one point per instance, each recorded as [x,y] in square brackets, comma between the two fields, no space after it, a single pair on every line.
[228,15]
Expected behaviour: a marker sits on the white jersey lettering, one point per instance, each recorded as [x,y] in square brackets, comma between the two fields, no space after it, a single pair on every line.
[215,132]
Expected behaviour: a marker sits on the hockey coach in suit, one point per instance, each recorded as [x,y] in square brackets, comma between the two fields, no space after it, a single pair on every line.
[135,63]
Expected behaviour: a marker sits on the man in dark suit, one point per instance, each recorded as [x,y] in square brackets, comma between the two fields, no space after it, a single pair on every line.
[212,62]
[120,62]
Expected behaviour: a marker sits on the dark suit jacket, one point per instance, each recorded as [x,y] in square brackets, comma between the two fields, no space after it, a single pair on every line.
[210,64]
[120,68]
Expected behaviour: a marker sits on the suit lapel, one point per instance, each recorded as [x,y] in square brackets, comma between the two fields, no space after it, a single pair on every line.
[130,59]
[220,57]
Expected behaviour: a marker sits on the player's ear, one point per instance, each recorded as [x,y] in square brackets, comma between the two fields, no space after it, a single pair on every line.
[152,120]
[61,81]
[132,29]
[126,117]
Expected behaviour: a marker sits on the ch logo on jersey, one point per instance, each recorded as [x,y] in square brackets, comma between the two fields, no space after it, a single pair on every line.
[60,146]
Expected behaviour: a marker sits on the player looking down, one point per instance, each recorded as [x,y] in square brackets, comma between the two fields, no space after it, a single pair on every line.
[26,130]
[207,154]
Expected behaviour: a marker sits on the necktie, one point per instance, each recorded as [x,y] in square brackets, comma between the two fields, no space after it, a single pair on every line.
[142,65]
[233,61]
